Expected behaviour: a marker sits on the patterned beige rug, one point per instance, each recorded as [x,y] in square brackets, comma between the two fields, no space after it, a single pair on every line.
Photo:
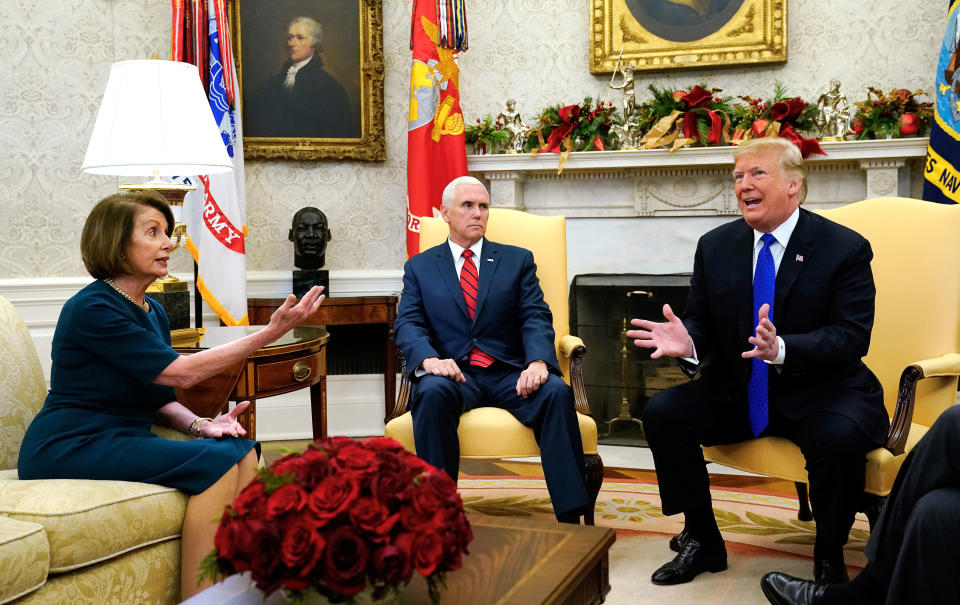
[761,531]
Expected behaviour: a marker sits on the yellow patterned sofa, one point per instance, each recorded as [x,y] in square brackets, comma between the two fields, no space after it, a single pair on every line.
[74,541]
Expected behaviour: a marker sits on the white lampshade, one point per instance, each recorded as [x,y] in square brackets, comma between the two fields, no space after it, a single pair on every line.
[155,120]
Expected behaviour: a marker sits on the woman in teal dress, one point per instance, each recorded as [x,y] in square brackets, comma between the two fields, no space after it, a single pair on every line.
[114,373]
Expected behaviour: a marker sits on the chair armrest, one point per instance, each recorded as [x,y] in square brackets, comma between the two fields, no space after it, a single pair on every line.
[945,365]
[573,348]
[403,394]
[570,345]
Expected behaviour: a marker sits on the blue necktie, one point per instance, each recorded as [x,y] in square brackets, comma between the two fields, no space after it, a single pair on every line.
[764,280]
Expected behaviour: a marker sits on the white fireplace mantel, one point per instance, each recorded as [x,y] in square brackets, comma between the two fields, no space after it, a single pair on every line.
[688,182]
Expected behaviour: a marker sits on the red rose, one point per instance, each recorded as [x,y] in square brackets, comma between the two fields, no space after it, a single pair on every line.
[286,498]
[370,515]
[332,444]
[332,496]
[426,500]
[301,548]
[344,561]
[384,444]
[697,97]
[427,551]
[357,459]
[233,543]
[390,565]
[391,488]
[252,499]
[265,561]
[414,519]
[441,485]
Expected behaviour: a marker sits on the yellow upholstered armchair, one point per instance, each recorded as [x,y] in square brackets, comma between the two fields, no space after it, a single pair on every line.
[488,432]
[913,349]
[75,541]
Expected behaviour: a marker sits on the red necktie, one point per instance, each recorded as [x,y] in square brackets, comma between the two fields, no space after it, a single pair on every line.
[469,282]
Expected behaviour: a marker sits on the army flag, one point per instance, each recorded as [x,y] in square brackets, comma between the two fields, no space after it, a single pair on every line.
[436,150]
[215,211]
[941,172]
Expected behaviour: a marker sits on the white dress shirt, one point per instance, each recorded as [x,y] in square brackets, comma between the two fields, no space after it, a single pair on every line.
[782,236]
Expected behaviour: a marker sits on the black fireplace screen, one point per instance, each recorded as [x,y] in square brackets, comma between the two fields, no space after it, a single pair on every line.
[619,377]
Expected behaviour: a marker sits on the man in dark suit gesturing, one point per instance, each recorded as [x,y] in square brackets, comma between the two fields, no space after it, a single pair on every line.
[779,357]
[475,330]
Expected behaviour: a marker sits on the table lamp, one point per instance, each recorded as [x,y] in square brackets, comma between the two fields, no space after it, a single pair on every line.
[155,121]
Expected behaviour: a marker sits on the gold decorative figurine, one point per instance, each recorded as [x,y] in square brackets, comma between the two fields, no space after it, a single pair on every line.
[834,117]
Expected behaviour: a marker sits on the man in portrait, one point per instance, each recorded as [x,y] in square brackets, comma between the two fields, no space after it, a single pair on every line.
[302,99]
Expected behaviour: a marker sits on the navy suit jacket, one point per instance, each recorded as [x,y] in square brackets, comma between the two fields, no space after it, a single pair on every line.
[513,324]
[823,309]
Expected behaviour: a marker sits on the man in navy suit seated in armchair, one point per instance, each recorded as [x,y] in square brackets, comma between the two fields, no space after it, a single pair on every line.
[475,331]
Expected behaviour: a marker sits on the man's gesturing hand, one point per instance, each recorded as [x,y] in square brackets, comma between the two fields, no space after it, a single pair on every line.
[669,338]
[530,379]
[443,367]
[765,343]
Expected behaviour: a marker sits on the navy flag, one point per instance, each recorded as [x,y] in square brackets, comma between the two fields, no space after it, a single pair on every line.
[942,170]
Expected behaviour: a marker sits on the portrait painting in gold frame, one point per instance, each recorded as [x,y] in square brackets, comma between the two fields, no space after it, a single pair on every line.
[675,34]
[310,78]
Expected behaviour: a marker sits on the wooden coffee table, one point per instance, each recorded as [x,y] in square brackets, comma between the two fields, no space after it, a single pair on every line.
[512,561]
[518,561]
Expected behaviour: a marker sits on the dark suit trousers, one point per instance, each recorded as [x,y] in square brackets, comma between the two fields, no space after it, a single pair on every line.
[437,403]
[913,547]
[677,421]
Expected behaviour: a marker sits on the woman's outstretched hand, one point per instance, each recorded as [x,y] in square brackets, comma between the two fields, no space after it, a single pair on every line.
[225,425]
[293,313]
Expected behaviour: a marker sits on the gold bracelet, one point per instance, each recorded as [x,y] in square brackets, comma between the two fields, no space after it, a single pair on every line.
[194,428]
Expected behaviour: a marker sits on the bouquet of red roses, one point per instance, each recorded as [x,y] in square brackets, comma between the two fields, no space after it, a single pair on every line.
[342,517]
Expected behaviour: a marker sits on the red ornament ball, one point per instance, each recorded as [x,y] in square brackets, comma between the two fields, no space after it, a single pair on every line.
[759,127]
[857,126]
[909,124]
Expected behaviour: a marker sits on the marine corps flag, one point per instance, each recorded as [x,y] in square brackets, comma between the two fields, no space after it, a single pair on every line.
[436,152]
[942,171]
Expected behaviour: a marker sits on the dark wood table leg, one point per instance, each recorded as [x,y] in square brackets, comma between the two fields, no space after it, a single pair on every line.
[248,420]
[318,408]
[390,366]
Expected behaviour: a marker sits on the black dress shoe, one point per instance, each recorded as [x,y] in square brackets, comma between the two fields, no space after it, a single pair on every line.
[830,571]
[677,542]
[781,589]
[693,559]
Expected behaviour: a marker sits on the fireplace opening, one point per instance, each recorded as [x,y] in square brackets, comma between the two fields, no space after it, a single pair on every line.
[619,378]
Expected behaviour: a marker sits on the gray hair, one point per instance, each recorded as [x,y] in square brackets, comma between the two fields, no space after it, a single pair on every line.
[450,191]
[316,30]
[791,160]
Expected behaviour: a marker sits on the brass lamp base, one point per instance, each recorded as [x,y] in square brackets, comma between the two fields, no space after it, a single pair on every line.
[167,284]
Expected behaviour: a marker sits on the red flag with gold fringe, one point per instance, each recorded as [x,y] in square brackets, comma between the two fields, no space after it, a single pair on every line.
[436,150]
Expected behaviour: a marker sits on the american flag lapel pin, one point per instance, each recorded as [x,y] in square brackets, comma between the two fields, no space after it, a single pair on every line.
[799,258]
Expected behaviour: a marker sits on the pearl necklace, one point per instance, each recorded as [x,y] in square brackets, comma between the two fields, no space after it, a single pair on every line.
[113,284]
